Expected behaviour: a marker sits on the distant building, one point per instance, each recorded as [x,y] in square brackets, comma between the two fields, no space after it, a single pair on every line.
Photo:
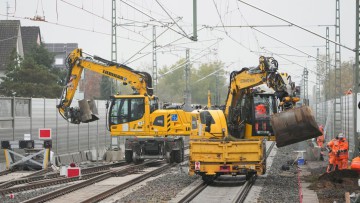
[15,37]
[10,39]
[30,37]
[61,51]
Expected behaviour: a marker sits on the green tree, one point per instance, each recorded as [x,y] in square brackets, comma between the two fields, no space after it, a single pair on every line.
[205,78]
[32,76]
[171,84]
[347,78]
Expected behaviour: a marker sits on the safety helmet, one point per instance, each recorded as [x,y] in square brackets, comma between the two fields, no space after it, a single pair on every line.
[341,135]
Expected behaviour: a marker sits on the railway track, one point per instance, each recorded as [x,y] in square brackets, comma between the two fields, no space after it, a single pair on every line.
[92,180]
[116,189]
[52,179]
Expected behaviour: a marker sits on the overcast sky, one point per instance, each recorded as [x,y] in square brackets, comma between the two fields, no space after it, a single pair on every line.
[87,23]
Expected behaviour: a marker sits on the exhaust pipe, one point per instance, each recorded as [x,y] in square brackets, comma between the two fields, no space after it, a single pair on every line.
[88,111]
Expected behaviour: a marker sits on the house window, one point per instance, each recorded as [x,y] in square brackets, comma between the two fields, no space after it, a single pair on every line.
[59,61]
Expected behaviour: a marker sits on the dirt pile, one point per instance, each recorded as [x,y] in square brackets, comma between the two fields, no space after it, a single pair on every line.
[332,186]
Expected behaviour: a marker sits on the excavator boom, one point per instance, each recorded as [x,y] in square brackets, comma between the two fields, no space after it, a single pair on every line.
[292,124]
[140,82]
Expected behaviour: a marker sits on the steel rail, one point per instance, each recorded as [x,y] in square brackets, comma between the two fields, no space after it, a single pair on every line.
[123,186]
[32,179]
[241,196]
[193,193]
[103,176]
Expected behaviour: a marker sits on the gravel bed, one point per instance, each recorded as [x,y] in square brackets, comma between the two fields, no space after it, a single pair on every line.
[163,188]
[281,185]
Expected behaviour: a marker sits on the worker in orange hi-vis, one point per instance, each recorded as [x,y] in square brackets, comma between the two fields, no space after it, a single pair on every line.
[342,153]
[332,156]
[320,142]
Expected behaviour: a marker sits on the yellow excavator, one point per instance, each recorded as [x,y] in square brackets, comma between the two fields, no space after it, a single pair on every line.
[260,106]
[154,133]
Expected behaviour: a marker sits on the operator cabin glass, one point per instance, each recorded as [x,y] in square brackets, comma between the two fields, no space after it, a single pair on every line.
[125,110]
[263,108]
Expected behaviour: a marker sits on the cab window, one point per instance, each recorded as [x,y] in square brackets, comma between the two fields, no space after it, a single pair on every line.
[125,110]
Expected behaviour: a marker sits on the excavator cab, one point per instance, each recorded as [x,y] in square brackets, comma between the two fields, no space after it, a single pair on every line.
[264,107]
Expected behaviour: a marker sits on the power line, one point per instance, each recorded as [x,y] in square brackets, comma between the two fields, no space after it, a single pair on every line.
[146,45]
[101,17]
[161,47]
[302,28]
[153,18]
[8,38]
[181,65]
[172,18]
[72,27]
[222,23]
[288,45]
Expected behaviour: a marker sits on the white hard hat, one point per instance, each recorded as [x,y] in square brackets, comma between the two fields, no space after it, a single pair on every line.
[341,135]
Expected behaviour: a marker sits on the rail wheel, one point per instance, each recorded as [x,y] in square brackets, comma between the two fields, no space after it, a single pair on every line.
[136,158]
[177,156]
[128,156]
[208,178]
[170,157]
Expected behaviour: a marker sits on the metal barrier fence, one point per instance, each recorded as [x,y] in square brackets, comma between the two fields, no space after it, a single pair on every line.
[326,118]
[19,116]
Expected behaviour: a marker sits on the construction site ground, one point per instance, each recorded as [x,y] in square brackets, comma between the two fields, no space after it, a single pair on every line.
[322,187]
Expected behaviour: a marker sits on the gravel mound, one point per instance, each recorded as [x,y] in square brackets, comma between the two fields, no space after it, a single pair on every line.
[281,184]
[161,189]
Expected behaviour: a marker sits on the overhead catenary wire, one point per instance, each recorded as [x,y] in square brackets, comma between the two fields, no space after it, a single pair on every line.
[221,21]
[203,78]
[298,26]
[290,61]
[101,17]
[186,62]
[2,40]
[146,45]
[289,45]
[172,18]
[161,47]
[153,18]
[72,27]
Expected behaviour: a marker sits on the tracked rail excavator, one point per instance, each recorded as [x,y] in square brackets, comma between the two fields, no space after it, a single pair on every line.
[153,133]
[260,106]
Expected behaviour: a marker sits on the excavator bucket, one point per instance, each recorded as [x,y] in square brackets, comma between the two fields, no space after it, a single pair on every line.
[87,111]
[294,126]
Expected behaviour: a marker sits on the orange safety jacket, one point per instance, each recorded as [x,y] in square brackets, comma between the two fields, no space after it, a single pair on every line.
[330,147]
[342,149]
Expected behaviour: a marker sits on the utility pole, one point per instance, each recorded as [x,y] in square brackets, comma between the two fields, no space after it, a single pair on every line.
[327,73]
[187,95]
[305,83]
[317,92]
[194,37]
[154,71]
[7,10]
[113,40]
[217,92]
[337,87]
[356,81]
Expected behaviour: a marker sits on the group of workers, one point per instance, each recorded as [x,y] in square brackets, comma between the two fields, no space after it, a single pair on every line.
[338,151]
